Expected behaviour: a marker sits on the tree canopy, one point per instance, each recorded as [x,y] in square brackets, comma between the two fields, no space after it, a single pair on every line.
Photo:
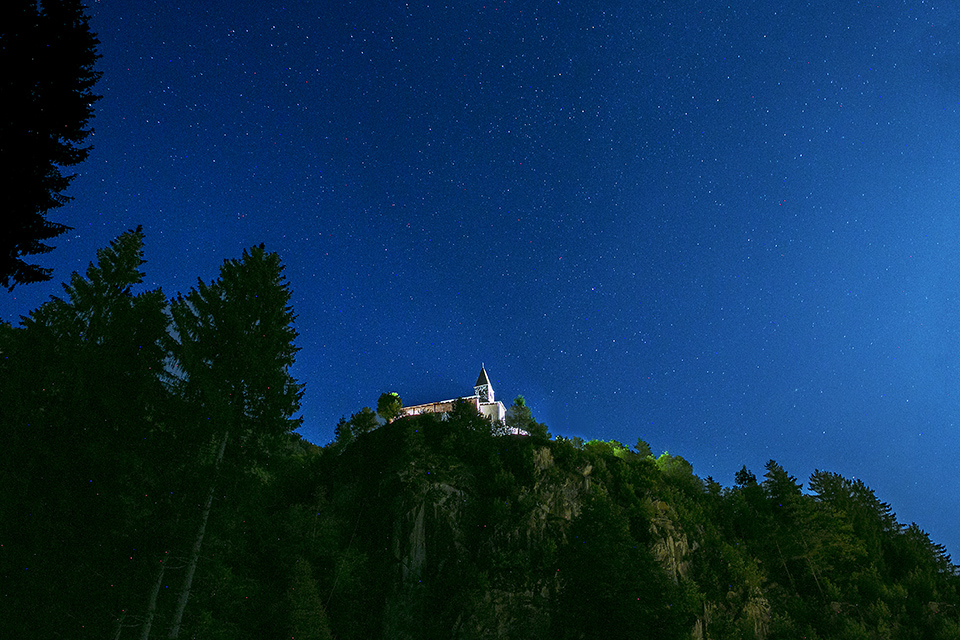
[153,487]
[114,404]
[389,406]
[233,345]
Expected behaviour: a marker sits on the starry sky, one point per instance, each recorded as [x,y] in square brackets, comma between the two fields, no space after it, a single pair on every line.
[730,229]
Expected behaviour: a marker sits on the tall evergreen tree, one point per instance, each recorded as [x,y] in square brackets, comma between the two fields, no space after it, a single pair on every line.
[520,417]
[81,396]
[233,347]
[48,53]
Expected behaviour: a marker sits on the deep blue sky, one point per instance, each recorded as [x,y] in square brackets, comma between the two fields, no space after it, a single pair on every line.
[732,231]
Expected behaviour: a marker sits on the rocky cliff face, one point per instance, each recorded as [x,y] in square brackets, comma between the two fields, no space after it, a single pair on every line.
[483,535]
[440,529]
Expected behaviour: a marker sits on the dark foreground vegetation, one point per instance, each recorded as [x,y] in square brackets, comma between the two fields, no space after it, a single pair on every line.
[152,487]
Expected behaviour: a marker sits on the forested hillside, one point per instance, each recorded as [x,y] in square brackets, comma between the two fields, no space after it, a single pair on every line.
[153,487]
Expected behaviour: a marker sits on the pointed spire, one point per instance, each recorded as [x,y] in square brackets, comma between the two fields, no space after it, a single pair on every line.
[483,388]
[482,378]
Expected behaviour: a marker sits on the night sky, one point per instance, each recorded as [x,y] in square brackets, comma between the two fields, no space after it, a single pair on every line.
[732,231]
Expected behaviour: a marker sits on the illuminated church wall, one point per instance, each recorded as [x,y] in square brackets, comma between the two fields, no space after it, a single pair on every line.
[483,400]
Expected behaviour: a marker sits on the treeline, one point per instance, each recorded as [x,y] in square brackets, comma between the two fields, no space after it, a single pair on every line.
[127,419]
[152,487]
[439,528]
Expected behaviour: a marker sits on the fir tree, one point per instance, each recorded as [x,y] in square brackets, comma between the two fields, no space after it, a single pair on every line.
[81,397]
[47,52]
[233,350]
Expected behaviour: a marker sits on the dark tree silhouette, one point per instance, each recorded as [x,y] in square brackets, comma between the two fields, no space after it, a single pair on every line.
[47,53]
[520,417]
[80,463]
[233,350]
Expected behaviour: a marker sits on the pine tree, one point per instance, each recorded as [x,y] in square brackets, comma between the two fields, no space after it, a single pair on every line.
[233,347]
[80,392]
[47,52]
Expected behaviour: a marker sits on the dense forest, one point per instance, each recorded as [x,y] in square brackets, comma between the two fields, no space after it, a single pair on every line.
[153,486]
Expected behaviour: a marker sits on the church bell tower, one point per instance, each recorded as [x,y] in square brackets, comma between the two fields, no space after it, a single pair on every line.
[483,388]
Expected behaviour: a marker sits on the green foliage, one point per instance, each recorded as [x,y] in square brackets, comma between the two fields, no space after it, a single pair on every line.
[643,449]
[520,418]
[308,618]
[519,415]
[104,450]
[343,433]
[83,463]
[421,527]
[363,421]
[389,406]
[233,346]
[674,466]
[780,486]
[611,586]
[745,478]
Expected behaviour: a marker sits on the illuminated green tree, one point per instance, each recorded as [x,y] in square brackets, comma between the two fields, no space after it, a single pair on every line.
[389,406]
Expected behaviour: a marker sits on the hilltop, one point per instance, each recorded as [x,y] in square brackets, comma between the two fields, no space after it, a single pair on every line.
[154,485]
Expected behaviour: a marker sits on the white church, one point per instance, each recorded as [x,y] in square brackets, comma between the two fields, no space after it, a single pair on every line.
[482,398]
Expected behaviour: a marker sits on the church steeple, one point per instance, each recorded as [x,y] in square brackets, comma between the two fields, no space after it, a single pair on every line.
[483,388]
